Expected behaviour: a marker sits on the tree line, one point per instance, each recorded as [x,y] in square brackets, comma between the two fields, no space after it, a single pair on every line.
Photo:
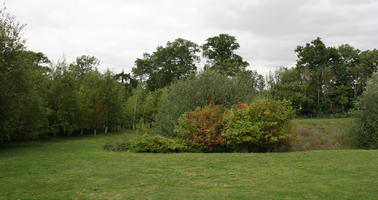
[40,98]
[325,80]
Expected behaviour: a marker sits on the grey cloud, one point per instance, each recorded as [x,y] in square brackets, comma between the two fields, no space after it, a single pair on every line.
[119,31]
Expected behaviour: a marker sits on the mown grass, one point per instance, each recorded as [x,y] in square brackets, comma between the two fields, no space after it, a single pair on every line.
[321,134]
[78,168]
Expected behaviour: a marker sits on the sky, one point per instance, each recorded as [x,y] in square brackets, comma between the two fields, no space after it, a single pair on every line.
[118,32]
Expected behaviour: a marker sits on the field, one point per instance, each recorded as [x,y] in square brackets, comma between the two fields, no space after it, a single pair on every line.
[322,134]
[78,168]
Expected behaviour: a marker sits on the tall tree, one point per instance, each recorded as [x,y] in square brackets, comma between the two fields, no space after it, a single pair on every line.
[220,52]
[22,111]
[177,60]
[127,81]
[63,101]
[287,84]
[317,60]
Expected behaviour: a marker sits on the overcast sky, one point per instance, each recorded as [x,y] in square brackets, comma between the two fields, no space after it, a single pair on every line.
[119,31]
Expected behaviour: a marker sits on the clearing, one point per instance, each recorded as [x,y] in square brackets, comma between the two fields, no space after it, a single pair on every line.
[78,168]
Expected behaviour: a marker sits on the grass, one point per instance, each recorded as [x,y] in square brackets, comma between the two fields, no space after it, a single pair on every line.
[78,168]
[321,134]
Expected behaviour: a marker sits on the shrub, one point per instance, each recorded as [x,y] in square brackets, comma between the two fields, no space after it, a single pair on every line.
[151,144]
[366,129]
[262,126]
[186,95]
[155,144]
[202,128]
[116,146]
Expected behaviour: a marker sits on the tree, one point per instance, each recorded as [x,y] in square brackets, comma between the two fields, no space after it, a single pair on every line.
[287,84]
[219,51]
[368,64]
[22,111]
[63,101]
[177,60]
[325,80]
[366,128]
[82,65]
[134,106]
[335,77]
[127,81]
[92,99]
[317,59]
[113,100]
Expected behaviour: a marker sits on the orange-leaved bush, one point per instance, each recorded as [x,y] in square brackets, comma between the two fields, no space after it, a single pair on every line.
[202,128]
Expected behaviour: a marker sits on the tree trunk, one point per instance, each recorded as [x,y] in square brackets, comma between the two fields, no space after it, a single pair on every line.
[106,130]
[94,131]
[135,105]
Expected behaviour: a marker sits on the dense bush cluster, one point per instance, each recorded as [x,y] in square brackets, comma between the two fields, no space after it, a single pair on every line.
[155,144]
[260,126]
[150,144]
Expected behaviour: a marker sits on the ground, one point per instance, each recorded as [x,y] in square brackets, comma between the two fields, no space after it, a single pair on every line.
[79,168]
[322,134]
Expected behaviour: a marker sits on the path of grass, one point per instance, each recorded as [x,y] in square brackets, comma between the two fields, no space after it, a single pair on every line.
[81,169]
[321,134]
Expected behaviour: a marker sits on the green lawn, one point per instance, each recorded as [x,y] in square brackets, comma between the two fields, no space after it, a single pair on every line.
[78,168]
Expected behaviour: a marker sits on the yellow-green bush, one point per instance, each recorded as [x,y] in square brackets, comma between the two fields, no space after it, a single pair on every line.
[155,144]
[260,126]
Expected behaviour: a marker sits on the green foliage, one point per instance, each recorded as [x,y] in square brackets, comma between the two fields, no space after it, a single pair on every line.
[173,62]
[134,107]
[155,144]
[85,102]
[63,101]
[38,98]
[186,95]
[202,128]
[325,80]
[116,146]
[83,65]
[23,114]
[261,126]
[287,84]
[366,129]
[143,127]
[151,104]
[221,56]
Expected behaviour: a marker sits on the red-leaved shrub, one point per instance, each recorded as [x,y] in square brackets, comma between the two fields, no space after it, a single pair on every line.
[202,127]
